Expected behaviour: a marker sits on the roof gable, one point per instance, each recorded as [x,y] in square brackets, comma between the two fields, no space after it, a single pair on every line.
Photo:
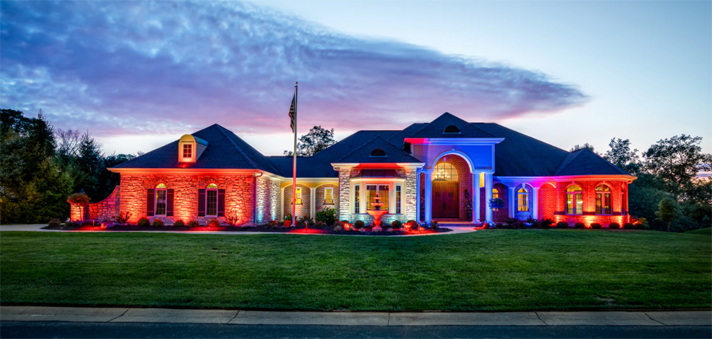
[461,128]
[370,153]
[587,162]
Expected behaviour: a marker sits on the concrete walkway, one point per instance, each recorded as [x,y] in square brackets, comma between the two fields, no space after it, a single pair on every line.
[39,228]
[238,317]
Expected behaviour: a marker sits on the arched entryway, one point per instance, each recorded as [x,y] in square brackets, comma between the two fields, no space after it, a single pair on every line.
[452,189]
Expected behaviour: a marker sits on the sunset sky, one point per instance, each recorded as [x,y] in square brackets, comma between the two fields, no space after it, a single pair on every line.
[138,75]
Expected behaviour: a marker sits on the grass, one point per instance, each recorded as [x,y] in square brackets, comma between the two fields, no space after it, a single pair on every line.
[487,270]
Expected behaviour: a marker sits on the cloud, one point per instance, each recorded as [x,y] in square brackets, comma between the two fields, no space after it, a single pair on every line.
[119,68]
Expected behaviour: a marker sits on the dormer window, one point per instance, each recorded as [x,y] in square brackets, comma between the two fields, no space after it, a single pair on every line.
[378,153]
[451,130]
[187,151]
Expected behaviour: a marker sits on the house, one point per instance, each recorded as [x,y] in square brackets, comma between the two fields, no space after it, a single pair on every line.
[447,169]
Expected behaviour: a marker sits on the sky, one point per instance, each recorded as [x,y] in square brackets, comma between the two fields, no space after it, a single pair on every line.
[138,75]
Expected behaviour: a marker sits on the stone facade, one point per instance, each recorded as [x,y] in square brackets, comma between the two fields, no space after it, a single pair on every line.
[321,198]
[303,209]
[267,200]
[547,202]
[103,210]
[411,195]
[344,195]
[239,196]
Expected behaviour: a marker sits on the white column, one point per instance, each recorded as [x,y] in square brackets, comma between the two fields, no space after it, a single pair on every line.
[281,203]
[476,197]
[417,196]
[428,196]
[535,203]
[312,205]
[512,208]
[488,196]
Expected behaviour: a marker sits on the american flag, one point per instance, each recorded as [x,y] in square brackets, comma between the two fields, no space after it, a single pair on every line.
[291,112]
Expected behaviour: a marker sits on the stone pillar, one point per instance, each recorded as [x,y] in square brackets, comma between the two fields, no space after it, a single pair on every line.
[417,196]
[512,207]
[312,206]
[344,194]
[476,197]
[535,203]
[411,195]
[428,195]
[488,196]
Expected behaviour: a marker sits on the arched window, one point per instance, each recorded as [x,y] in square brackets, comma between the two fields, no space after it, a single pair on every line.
[603,199]
[211,200]
[523,200]
[574,200]
[495,193]
[445,172]
[378,153]
[452,130]
[161,199]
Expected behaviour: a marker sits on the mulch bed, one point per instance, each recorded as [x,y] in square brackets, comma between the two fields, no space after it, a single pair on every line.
[263,229]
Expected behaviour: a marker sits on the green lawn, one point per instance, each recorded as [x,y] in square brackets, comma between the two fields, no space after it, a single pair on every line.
[486,270]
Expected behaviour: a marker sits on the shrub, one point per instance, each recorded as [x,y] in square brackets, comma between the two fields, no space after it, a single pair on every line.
[396,224]
[71,224]
[87,223]
[628,226]
[546,223]
[178,223]
[358,224]
[562,224]
[288,222]
[143,222]
[193,223]
[288,217]
[157,223]
[414,227]
[338,228]
[640,226]
[122,218]
[435,225]
[54,223]
[319,225]
[78,199]
[596,226]
[327,216]
[499,225]
[614,225]
[579,225]
[233,219]
[214,223]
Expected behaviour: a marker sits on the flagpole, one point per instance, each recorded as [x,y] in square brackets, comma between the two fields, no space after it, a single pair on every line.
[294,159]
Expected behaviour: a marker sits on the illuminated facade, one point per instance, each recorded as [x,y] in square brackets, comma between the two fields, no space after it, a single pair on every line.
[448,169]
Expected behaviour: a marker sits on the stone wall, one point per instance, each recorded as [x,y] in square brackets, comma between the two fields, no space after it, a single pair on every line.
[321,198]
[267,200]
[344,195]
[103,210]
[411,195]
[547,202]
[239,195]
[304,209]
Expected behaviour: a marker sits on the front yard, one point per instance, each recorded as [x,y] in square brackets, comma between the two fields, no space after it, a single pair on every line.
[486,270]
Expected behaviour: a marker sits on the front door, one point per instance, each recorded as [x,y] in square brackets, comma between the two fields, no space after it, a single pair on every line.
[445,199]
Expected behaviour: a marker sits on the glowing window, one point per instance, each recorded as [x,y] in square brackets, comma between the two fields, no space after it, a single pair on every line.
[381,191]
[445,172]
[378,153]
[574,200]
[187,151]
[328,196]
[299,196]
[161,199]
[523,200]
[495,193]
[211,200]
[603,199]
[212,186]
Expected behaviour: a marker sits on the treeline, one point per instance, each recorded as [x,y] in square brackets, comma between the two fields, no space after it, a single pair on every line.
[668,194]
[40,167]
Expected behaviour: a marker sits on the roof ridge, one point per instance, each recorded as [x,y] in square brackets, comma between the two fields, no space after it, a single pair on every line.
[222,130]
[567,161]
[609,163]
[362,145]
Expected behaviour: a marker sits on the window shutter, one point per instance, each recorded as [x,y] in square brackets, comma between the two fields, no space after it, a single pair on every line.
[150,201]
[221,203]
[169,203]
[201,202]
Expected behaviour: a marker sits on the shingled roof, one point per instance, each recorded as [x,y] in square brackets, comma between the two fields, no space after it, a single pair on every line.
[225,150]
[364,154]
[437,129]
[587,162]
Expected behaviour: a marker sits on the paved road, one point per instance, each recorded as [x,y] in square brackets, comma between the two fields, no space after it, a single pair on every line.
[163,330]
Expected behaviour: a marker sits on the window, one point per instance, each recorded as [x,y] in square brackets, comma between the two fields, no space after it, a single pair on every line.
[357,199]
[452,130]
[445,172]
[378,153]
[328,196]
[161,198]
[523,199]
[381,191]
[299,196]
[495,193]
[603,199]
[211,200]
[574,200]
[398,199]
[187,151]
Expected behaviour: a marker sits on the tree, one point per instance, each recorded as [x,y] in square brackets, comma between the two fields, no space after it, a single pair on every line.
[317,140]
[89,165]
[667,210]
[621,155]
[677,161]
[578,147]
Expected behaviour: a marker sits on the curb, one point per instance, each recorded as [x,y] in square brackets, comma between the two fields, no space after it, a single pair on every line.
[240,317]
